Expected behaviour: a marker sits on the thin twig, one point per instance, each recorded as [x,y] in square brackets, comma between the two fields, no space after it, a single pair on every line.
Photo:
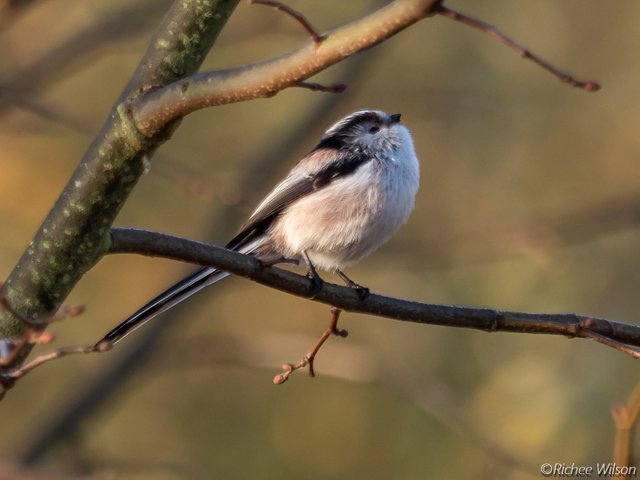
[309,358]
[585,332]
[589,86]
[318,87]
[33,335]
[55,355]
[8,379]
[67,311]
[625,417]
[299,17]
[10,348]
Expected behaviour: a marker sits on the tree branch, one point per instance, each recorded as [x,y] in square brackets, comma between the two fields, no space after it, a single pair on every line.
[589,86]
[299,17]
[153,110]
[75,233]
[625,418]
[617,335]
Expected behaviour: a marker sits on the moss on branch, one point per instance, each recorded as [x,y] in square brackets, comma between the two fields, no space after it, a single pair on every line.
[74,235]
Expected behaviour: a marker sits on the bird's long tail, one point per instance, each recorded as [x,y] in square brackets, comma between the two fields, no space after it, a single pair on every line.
[180,291]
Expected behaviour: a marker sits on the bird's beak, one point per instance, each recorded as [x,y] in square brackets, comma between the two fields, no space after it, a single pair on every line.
[395,118]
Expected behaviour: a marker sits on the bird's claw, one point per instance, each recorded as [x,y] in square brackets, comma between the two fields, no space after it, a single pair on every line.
[316,283]
[363,292]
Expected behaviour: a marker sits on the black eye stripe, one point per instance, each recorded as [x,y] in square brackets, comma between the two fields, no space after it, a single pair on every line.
[358,120]
[338,136]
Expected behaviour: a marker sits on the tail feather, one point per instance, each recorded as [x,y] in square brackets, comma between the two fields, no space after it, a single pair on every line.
[180,291]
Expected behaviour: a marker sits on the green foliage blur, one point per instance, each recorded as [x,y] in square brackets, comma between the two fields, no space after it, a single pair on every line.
[526,203]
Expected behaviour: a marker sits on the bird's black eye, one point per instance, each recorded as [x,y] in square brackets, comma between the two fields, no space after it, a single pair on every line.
[374,129]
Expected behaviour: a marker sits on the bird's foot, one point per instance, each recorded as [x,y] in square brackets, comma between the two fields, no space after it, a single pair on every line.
[363,292]
[316,282]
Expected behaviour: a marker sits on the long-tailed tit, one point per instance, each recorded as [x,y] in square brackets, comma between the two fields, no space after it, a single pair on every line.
[342,200]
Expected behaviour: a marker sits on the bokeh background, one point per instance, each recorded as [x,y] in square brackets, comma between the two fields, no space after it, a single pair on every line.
[528,201]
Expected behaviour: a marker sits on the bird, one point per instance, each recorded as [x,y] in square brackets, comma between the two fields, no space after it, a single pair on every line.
[338,204]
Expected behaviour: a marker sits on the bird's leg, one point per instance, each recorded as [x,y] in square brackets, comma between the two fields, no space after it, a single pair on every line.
[363,292]
[310,357]
[316,281]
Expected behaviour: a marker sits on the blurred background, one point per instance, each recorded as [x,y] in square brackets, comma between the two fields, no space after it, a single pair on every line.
[529,201]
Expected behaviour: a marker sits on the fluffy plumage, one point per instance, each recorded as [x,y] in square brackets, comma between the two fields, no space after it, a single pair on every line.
[342,200]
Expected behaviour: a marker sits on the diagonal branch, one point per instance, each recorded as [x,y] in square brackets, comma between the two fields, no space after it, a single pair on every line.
[589,85]
[299,17]
[618,335]
[159,107]
[74,236]
[317,87]
[625,418]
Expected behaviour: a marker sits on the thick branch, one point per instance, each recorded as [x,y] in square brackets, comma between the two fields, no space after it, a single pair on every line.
[154,110]
[75,233]
[125,240]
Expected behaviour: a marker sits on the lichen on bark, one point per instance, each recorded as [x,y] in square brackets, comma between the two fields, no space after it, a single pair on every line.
[74,235]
